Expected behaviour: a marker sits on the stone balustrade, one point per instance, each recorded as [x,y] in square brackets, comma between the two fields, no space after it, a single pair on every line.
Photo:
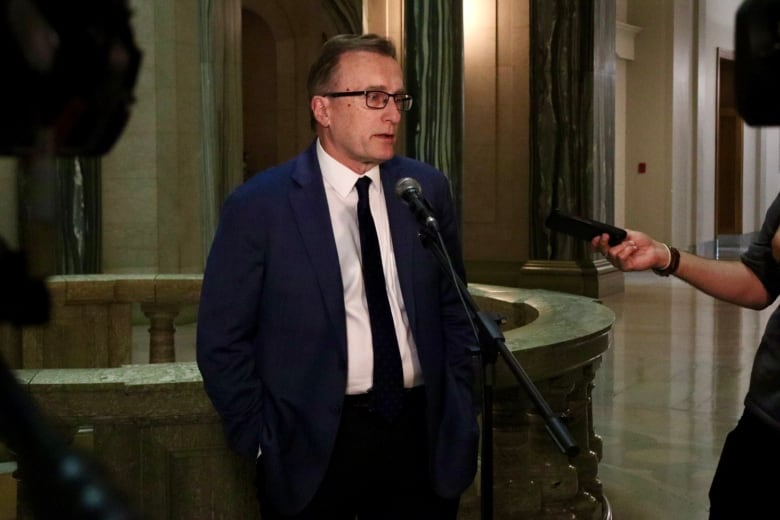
[91,321]
[153,427]
[154,431]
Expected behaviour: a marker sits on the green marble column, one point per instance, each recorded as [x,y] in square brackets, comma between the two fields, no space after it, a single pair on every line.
[434,76]
[221,108]
[572,128]
[60,215]
[78,248]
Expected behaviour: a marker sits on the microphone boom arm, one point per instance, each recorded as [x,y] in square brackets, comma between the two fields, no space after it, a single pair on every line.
[489,330]
[491,343]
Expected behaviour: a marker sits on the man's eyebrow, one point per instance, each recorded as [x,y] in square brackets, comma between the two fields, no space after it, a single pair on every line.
[383,88]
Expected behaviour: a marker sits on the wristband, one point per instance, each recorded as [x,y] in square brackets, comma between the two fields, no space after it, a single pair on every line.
[674,262]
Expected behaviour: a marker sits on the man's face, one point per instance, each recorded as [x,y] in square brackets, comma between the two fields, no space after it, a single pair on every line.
[355,135]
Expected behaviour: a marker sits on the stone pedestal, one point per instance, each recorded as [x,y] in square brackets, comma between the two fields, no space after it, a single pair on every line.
[595,278]
[558,339]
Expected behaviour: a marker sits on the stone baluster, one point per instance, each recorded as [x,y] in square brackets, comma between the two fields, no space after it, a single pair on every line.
[533,479]
[515,495]
[562,493]
[161,331]
[590,444]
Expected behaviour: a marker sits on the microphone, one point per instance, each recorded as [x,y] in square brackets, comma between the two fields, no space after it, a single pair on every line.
[410,191]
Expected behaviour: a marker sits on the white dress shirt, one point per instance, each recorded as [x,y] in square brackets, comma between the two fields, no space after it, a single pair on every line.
[342,204]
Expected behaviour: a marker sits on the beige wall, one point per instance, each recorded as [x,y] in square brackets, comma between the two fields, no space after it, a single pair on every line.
[716,30]
[647,120]
[760,171]
[151,187]
[496,137]
[625,36]
[670,123]
[385,17]
[768,161]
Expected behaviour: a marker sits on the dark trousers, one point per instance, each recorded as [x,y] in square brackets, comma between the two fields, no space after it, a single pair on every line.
[378,471]
[747,481]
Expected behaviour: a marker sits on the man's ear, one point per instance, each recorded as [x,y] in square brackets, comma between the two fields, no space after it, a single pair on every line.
[320,110]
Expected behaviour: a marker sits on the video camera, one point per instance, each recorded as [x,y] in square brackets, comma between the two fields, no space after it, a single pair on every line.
[757,62]
[69,69]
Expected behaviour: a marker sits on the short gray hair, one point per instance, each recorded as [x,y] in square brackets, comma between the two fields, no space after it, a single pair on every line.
[322,71]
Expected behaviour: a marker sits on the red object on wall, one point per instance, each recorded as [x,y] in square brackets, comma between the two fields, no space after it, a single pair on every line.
[641,168]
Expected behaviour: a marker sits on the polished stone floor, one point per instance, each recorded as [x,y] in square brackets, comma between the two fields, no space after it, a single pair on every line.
[668,391]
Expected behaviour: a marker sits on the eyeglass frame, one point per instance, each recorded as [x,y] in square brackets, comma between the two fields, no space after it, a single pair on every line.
[404,97]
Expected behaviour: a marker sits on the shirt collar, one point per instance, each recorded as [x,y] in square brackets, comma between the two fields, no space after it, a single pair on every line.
[341,178]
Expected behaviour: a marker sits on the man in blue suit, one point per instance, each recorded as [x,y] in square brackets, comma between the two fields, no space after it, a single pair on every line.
[284,328]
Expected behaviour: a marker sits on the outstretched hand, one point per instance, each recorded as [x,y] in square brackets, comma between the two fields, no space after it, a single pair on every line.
[638,252]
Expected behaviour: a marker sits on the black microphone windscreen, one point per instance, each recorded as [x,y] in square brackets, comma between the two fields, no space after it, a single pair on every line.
[407,185]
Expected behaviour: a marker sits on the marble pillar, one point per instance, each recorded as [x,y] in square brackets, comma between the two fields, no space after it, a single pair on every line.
[572,165]
[434,76]
[221,106]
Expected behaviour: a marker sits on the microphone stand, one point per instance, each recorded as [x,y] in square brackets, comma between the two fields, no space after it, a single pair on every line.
[491,344]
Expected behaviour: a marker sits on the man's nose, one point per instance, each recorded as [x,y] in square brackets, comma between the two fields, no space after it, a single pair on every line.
[391,112]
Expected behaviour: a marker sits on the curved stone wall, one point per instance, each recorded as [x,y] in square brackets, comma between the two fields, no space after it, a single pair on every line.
[154,430]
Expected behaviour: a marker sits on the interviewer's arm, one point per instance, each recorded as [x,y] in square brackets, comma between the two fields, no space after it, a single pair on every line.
[727,280]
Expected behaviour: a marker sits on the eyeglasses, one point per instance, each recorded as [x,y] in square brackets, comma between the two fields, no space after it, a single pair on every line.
[377,99]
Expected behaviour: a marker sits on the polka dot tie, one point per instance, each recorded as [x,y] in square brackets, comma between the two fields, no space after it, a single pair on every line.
[388,388]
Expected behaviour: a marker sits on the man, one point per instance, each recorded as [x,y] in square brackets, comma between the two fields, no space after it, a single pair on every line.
[286,328]
[746,480]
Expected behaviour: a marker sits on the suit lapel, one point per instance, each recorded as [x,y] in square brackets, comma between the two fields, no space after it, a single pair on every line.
[404,231]
[312,217]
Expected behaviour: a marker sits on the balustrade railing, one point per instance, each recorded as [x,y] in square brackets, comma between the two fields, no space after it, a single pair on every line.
[91,323]
[153,427]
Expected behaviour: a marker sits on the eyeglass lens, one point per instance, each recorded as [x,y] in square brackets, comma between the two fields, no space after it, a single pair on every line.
[379,99]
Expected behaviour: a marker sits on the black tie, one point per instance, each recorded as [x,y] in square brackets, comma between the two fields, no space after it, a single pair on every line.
[388,388]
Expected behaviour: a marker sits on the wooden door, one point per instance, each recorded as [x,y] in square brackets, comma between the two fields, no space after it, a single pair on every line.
[728,150]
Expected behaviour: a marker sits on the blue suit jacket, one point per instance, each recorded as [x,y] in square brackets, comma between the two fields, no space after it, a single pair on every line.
[272,341]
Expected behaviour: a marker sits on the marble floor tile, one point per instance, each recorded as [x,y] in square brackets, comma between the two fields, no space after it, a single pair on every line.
[667,393]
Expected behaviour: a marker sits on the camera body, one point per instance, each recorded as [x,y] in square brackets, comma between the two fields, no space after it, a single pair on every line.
[757,62]
[69,70]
